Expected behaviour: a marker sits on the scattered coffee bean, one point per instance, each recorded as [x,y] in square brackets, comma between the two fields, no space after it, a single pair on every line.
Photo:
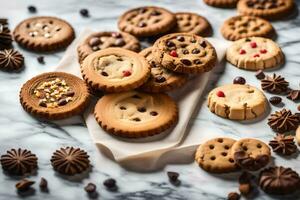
[94,41]
[110,183]
[275,100]
[173,176]
[32,9]
[186,62]
[41,59]
[233,196]
[90,188]
[84,12]
[160,79]
[43,183]
[180,38]
[239,80]
[260,74]
[24,184]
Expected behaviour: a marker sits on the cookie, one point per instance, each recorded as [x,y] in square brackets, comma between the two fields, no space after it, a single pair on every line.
[239,27]
[103,40]
[54,95]
[192,23]
[222,3]
[161,79]
[251,154]
[237,102]
[147,21]
[44,34]
[115,70]
[136,114]
[298,135]
[215,155]
[185,53]
[255,53]
[268,9]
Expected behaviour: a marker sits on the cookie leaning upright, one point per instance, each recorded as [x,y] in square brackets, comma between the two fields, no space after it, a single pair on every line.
[54,95]
[115,70]
[44,33]
[185,53]
[136,114]
[147,21]
[222,3]
[255,53]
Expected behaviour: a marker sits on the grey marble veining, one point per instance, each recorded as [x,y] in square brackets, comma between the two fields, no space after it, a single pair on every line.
[18,129]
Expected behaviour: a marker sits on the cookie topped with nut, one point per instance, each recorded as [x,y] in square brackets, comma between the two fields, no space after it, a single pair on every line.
[102,40]
[185,53]
[54,95]
[147,21]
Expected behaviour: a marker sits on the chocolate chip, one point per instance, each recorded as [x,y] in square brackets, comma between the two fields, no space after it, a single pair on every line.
[160,79]
[90,188]
[233,196]
[70,93]
[153,64]
[185,51]
[183,45]
[170,44]
[116,35]
[95,48]
[186,62]
[203,44]
[260,74]
[197,62]
[137,119]
[43,184]
[41,59]
[43,104]
[24,184]
[239,80]
[193,40]
[136,96]
[153,113]
[142,10]
[155,13]
[94,41]
[104,74]
[275,100]
[195,51]
[248,40]
[142,24]
[32,9]
[119,42]
[180,38]
[173,176]
[62,102]
[142,109]
[110,183]
[84,12]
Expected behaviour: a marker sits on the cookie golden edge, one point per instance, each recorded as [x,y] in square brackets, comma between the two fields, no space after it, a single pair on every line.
[52,116]
[139,134]
[222,3]
[33,46]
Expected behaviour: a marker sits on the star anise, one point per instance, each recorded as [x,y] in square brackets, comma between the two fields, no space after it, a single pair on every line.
[5,35]
[19,161]
[70,160]
[283,121]
[294,95]
[11,59]
[275,84]
[283,144]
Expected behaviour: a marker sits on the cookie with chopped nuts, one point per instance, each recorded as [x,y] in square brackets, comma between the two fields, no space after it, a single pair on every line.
[185,53]
[102,40]
[54,95]
[44,33]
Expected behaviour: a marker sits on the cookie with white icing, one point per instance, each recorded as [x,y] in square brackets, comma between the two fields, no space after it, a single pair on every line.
[136,114]
[237,102]
[115,70]
[255,53]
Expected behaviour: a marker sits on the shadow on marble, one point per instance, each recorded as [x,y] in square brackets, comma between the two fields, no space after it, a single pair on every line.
[258,119]
[77,178]
[27,193]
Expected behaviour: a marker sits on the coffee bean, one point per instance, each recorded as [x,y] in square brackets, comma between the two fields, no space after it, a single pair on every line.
[186,62]
[94,41]
[110,183]
[160,79]
[203,44]
[41,60]
[84,12]
[195,51]
[62,102]
[119,42]
[173,176]
[239,80]
[90,188]
[142,24]
[233,196]
[260,74]
[180,38]
[275,100]
[24,184]
[32,9]
[43,183]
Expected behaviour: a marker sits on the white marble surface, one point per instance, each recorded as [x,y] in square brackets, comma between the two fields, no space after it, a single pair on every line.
[17,129]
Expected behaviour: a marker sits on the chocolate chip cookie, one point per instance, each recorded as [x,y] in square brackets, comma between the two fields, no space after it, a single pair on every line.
[192,23]
[54,95]
[147,21]
[44,33]
[103,40]
[161,79]
[268,9]
[222,3]
[185,53]
[239,27]
[136,114]
[115,70]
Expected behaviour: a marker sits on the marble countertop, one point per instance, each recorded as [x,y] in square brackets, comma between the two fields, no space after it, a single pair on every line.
[18,129]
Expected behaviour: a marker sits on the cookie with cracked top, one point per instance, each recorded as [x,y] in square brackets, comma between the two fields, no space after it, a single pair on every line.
[222,3]
[185,53]
[135,114]
[239,27]
[102,40]
[44,33]
[147,21]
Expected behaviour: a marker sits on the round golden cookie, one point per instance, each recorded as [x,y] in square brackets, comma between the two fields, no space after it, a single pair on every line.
[255,53]
[185,53]
[54,95]
[268,9]
[115,70]
[161,79]
[44,33]
[136,114]
[215,155]
[238,27]
[237,102]
[222,3]
[298,135]
[251,154]
[188,22]
[102,40]
[147,21]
